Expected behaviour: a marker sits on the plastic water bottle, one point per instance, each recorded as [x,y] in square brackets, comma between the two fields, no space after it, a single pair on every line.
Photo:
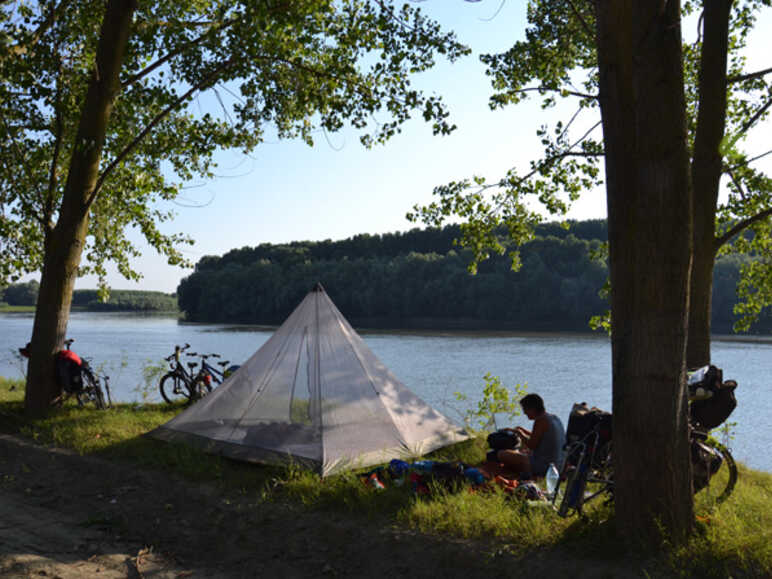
[552,477]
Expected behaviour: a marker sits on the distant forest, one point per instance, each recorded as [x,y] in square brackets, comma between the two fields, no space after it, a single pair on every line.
[419,279]
[26,294]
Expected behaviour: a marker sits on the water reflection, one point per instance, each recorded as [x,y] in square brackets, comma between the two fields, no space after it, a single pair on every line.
[562,368]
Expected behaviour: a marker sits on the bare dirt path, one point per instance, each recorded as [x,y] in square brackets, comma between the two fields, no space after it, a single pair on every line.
[65,515]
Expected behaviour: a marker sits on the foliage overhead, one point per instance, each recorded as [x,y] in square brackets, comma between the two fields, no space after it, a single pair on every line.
[199,76]
[557,63]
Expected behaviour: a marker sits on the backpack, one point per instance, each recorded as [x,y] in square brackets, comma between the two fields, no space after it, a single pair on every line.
[713,411]
[713,400]
[69,371]
[583,420]
[503,440]
[704,382]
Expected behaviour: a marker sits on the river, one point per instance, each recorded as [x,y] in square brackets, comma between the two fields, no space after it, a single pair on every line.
[562,368]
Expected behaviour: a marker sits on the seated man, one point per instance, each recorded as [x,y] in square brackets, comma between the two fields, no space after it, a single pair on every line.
[541,446]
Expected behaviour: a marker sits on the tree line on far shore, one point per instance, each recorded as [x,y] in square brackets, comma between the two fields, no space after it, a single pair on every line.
[26,294]
[419,278]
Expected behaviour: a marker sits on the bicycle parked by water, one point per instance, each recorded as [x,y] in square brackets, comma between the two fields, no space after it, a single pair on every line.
[182,383]
[76,378]
[209,373]
[588,473]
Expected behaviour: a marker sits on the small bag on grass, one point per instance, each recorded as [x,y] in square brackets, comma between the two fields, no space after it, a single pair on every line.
[503,439]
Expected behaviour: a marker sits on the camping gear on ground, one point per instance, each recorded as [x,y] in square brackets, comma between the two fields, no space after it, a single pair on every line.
[713,400]
[503,439]
[314,394]
[425,475]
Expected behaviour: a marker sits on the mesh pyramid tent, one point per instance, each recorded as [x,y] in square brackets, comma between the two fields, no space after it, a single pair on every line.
[314,394]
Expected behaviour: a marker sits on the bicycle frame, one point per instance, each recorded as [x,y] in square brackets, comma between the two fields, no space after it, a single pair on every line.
[209,371]
[91,383]
[588,468]
[592,468]
[177,366]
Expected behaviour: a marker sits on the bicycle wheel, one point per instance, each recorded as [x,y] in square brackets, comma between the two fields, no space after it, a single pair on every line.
[91,391]
[723,481]
[173,388]
[82,397]
[99,397]
[108,397]
[573,496]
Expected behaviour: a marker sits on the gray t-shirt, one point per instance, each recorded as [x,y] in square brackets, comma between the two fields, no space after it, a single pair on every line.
[550,447]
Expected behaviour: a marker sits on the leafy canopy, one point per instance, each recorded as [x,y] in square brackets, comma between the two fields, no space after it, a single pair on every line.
[199,76]
[557,63]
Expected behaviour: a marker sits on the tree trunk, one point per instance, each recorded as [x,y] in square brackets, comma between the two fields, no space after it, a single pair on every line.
[700,294]
[64,243]
[649,214]
[706,174]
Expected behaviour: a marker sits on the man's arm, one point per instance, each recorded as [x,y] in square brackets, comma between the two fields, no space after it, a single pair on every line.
[540,426]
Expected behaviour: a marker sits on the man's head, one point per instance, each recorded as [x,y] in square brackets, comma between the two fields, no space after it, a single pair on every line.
[532,405]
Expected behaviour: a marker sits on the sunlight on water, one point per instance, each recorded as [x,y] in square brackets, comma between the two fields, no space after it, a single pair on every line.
[562,368]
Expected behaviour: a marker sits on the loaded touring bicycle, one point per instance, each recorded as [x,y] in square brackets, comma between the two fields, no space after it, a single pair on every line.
[587,472]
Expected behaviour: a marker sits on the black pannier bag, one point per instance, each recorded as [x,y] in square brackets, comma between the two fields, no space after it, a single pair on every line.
[713,411]
[712,399]
[583,420]
[503,440]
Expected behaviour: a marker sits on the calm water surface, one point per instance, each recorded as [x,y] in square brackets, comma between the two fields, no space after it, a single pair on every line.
[563,368]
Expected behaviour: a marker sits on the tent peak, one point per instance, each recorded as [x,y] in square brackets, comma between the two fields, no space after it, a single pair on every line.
[318,287]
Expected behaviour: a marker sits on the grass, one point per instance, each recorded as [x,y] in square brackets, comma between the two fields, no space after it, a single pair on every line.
[5,308]
[734,538]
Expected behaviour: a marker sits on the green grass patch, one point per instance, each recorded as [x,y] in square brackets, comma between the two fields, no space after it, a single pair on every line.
[734,538]
[5,308]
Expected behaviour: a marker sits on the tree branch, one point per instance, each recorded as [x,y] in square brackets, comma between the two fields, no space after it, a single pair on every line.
[581,20]
[48,204]
[754,118]
[209,79]
[737,184]
[749,161]
[550,160]
[750,75]
[24,165]
[166,58]
[739,227]
[51,17]
[548,89]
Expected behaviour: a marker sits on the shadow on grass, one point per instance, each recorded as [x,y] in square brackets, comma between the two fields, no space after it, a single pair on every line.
[731,539]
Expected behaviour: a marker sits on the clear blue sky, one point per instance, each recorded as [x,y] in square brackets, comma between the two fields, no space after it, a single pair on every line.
[287,191]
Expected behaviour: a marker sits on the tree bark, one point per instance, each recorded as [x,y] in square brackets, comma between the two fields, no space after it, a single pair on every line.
[706,174]
[64,243]
[649,213]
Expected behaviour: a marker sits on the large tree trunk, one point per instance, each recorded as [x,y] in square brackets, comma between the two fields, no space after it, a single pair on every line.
[706,174]
[649,212]
[65,242]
